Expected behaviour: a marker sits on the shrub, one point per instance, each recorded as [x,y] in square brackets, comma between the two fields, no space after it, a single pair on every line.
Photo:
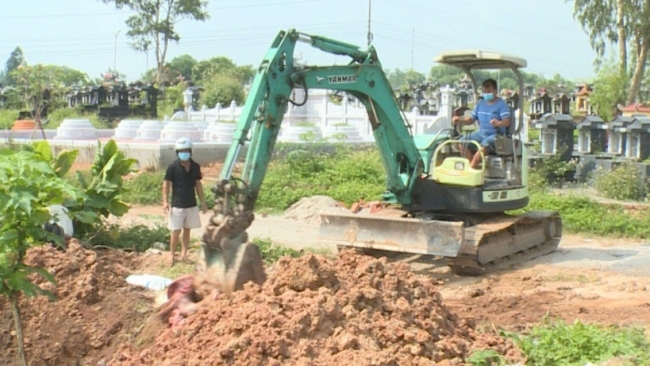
[622,183]
[7,118]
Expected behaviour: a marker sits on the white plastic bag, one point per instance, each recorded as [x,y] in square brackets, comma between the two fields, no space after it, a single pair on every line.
[151,282]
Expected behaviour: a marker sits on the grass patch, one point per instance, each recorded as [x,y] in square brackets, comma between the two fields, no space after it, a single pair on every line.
[179,269]
[137,237]
[343,174]
[583,215]
[146,189]
[272,251]
[556,343]
[563,277]
[349,175]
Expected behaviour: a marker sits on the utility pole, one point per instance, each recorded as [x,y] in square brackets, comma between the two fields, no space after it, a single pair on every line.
[369,17]
[412,47]
[115,54]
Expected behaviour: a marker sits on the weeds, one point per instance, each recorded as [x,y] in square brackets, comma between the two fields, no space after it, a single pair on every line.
[556,343]
[344,175]
[271,251]
[622,183]
[138,237]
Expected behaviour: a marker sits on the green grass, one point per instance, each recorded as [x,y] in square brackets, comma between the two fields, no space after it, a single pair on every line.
[350,175]
[146,189]
[583,215]
[344,175]
[136,237]
[555,343]
[179,269]
[272,251]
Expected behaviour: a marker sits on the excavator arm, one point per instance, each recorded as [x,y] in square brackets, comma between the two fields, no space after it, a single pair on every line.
[363,78]
[260,122]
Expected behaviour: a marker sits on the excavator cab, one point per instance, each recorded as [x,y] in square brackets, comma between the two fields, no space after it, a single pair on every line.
[503,173]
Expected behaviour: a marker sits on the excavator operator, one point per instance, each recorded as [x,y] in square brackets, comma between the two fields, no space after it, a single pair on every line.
[493,115]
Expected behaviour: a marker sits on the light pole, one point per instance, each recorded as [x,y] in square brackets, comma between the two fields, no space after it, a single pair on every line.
[115,54]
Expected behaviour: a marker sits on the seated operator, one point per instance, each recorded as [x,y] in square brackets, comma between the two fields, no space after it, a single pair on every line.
[493,115]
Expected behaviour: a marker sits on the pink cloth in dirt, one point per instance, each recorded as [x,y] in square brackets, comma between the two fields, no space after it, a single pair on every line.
[182,285]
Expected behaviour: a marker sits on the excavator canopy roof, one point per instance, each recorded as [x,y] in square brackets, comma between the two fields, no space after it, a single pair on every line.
[478,59]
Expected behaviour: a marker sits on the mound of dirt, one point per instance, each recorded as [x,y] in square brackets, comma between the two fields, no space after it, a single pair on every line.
[316,311]
[95,309]
[308,209]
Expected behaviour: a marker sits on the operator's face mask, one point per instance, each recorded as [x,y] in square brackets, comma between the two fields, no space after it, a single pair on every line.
[488,97]
[184,156]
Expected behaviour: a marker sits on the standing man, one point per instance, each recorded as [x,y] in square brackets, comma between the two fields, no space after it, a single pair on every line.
[184,176]
[493,115]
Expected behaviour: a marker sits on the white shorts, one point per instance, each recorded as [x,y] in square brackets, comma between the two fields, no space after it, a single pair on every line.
[184,218]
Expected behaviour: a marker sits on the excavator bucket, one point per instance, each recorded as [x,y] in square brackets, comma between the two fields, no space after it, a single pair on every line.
[387,230]
[231,264]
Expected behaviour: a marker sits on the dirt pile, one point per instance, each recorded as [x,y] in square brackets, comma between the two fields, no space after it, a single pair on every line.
[308,209]
[356,310]
[94,311]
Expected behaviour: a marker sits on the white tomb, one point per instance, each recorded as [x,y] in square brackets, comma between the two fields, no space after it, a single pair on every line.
[220,132]
[75,129]
[127,129]
[177,129]
[149,130]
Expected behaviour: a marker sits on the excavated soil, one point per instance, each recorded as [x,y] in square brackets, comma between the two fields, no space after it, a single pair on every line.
[308,209]
[94,310]
[355,310]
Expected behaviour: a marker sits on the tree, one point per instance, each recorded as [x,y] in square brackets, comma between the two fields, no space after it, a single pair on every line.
[30,185]
[222,89]
[16,58]
[155,23]
[618,22]
[182,66]
[221,65]
[552,85]
[37,84]
[609,89]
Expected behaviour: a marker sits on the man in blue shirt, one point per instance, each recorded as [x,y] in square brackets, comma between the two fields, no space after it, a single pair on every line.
[493,115]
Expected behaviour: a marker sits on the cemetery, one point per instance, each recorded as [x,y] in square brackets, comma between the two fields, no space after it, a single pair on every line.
[566,123]
[345,250]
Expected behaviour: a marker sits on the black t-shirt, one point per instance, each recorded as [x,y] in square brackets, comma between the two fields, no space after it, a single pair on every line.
[183,183]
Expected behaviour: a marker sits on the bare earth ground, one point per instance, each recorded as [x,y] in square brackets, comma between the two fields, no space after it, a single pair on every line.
[591,279]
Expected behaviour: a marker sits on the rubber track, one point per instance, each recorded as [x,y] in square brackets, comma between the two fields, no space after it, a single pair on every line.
[467,264]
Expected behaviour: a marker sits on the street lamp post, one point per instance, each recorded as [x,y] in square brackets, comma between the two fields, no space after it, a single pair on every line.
[115,54]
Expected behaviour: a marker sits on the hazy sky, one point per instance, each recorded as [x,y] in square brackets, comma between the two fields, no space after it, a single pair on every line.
[81,33]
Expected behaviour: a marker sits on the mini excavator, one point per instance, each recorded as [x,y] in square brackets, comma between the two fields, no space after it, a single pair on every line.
[437,204]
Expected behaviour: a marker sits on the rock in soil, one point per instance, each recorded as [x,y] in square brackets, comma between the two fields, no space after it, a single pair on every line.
[94,310]
[316,311]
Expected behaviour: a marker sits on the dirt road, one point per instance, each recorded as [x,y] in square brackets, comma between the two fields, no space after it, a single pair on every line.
[592,279]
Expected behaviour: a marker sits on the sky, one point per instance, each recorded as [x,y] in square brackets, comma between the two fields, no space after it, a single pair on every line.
[83,34]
